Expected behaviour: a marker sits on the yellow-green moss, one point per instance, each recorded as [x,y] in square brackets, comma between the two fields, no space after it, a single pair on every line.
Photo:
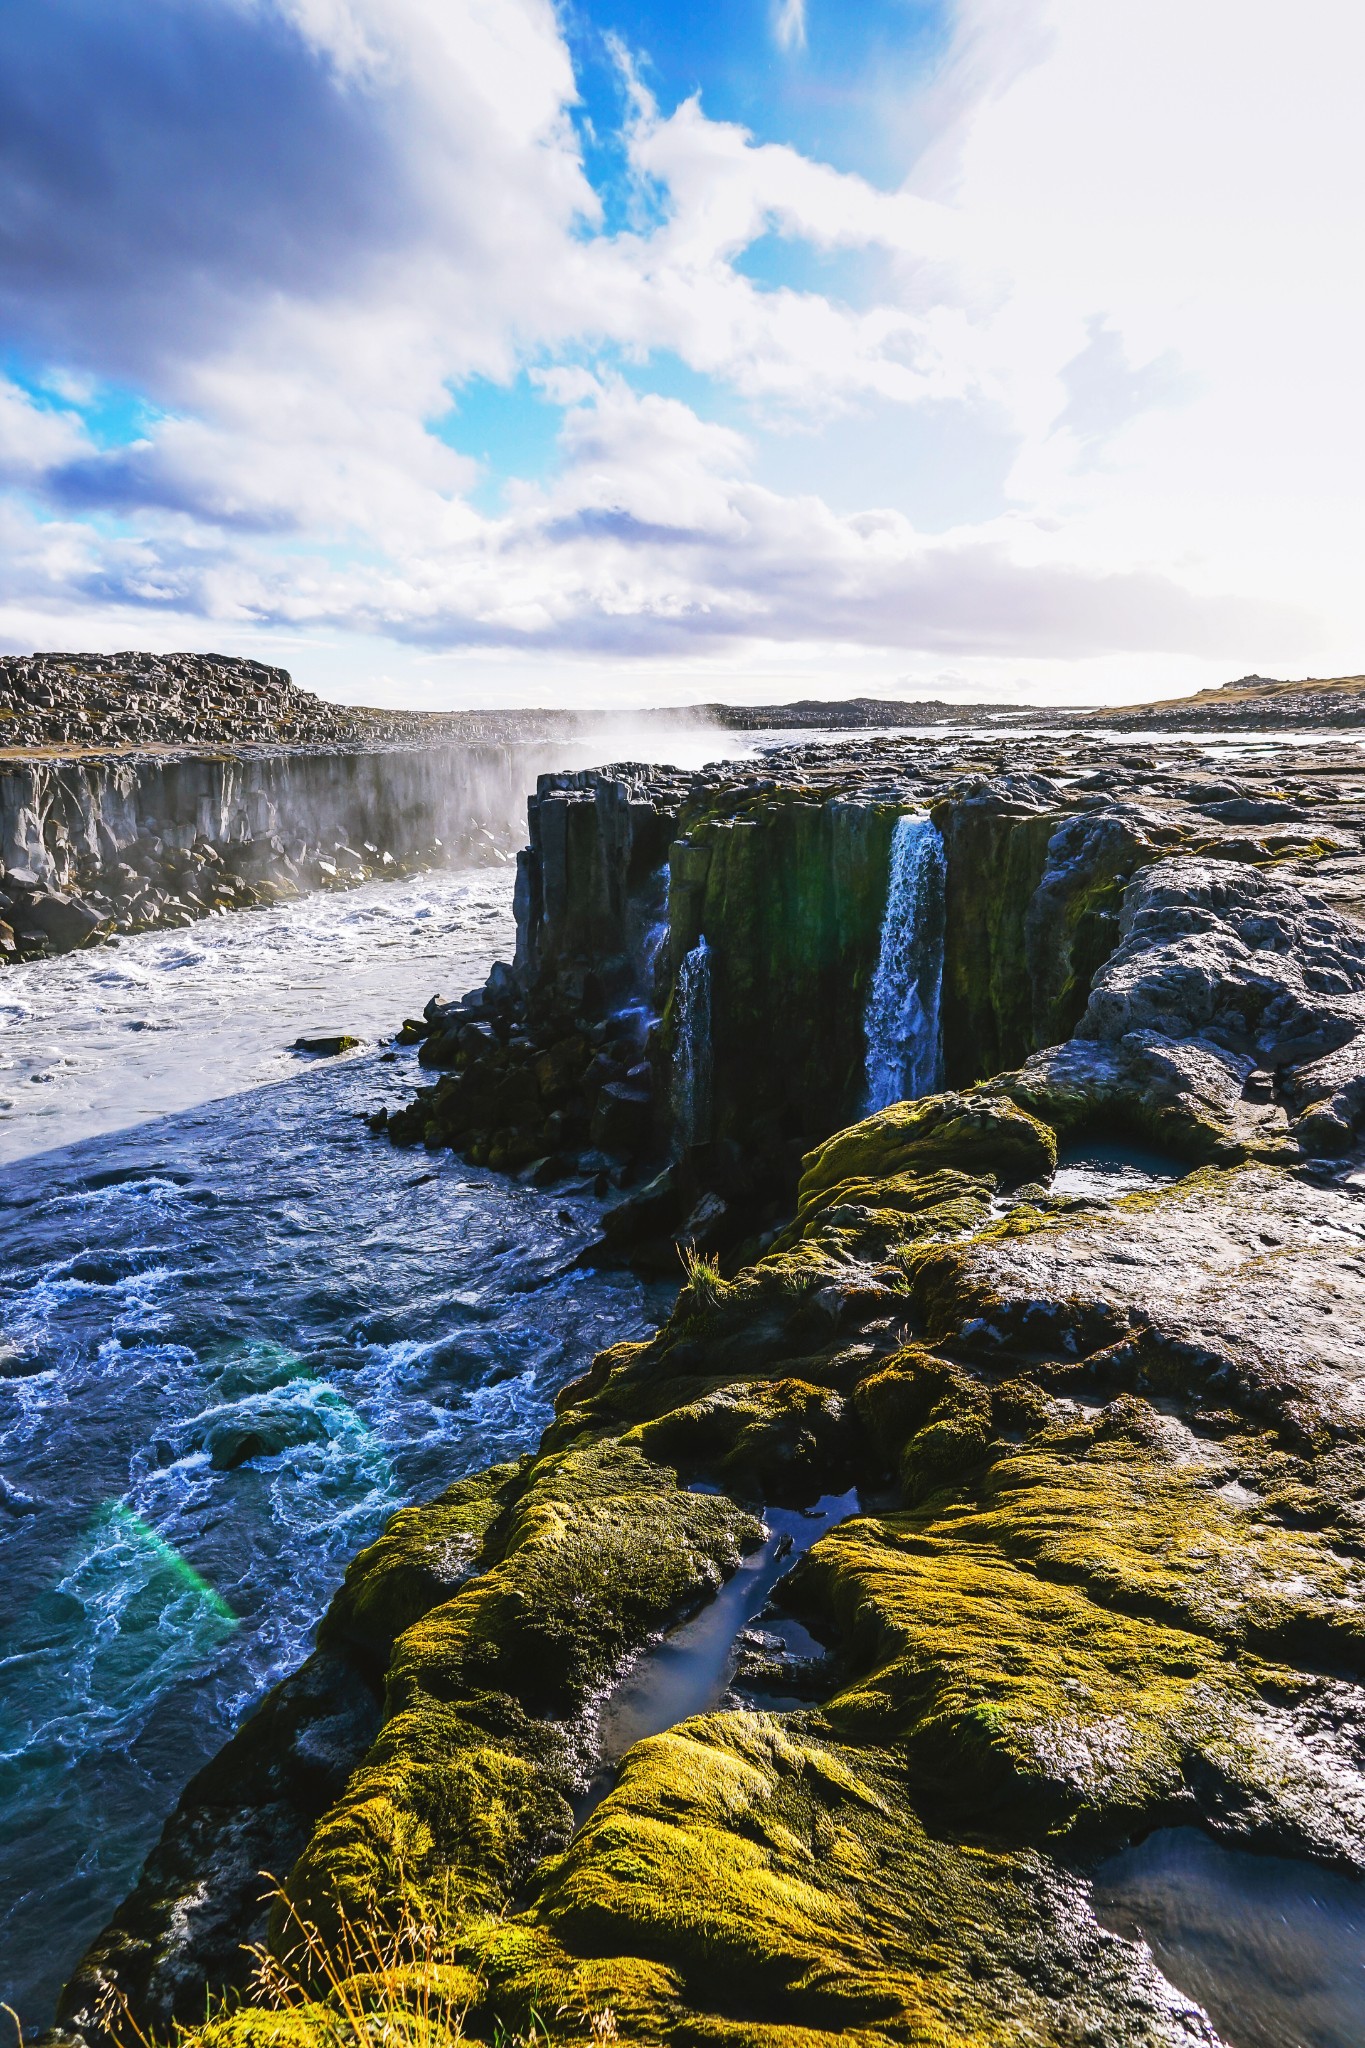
[417,1563]
[1067,1639]
[467,1785]
[755,1882]
[973,1134]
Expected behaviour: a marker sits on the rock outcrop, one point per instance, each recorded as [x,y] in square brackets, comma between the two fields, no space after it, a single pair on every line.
[98,701]
[90,849]
[575,1058]
[1090,1468]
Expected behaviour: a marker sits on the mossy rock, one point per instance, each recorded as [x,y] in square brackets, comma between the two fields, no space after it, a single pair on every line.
[423,1556]
[974,1135]
[468,1782]
[1109,1576]
[755,1882]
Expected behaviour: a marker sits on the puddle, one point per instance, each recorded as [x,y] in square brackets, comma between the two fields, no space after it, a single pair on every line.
[1108,1171]
[1273,1948]
[689,1671]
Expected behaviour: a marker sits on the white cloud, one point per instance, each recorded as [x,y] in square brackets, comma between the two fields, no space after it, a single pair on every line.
[789,24]
[35,438]
[1133,248]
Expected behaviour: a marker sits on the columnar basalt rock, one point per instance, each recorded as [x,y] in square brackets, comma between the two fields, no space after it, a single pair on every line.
[569,1061]
[92,848]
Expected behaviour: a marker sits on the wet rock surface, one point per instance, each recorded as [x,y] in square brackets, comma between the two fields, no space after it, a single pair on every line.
[1105,1571]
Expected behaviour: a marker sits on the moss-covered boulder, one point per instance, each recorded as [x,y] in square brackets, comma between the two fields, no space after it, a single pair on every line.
[972,1134]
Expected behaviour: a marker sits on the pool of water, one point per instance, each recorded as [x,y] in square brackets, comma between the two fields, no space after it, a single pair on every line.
[689,1670]
[1109,1170]
[1271,1947]
[235,1337]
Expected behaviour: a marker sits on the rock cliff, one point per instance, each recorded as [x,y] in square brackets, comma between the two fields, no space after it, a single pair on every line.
[94,848]
[1080,1447]
[573,1058]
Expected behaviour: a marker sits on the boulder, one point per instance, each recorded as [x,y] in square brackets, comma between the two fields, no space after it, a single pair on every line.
[621,1118]
[66,922]
[981,1133]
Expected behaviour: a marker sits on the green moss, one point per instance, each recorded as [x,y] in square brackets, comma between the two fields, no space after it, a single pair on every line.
[1067,1626]
[466,1786]
[774,1440]
[1065,1640]
[887,1213]
[423,1555]
[970,1134]
[749,1881]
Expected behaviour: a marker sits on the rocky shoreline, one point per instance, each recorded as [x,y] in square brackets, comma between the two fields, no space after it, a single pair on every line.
[1084,1438]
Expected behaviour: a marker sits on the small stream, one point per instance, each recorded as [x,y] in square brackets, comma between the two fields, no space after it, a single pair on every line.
[690,1669]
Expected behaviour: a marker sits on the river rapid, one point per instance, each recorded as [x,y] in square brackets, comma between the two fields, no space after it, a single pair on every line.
[238,1331]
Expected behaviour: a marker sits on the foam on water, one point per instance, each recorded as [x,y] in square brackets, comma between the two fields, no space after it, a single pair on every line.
[103,1040]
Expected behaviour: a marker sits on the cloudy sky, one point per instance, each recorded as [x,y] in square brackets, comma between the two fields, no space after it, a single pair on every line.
[488,351]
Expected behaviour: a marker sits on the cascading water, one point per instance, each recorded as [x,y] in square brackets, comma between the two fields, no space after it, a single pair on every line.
[904,1039]
[692,1047]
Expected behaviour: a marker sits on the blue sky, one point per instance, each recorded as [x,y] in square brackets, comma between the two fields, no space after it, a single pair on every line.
[460,351]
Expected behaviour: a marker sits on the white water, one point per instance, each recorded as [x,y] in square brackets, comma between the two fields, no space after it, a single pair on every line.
[904,1039]
[100,1041]
[692,1049]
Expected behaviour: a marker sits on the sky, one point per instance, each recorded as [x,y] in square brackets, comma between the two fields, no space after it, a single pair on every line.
[479,352]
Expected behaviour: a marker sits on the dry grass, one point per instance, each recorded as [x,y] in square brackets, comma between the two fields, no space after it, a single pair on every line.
[386,1983]
[701,1278]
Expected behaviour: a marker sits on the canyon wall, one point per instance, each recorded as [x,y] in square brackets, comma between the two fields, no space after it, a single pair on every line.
[697,986]
[91,847]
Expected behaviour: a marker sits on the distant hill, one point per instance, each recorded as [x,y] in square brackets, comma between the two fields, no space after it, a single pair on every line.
[1248,703]
[92,703]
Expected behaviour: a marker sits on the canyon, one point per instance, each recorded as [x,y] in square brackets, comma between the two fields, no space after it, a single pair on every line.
[981,1526]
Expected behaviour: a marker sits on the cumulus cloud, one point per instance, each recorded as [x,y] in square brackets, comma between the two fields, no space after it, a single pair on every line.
[298,227]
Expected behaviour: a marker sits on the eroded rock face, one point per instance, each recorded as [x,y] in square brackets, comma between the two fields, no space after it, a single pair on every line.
[90,849]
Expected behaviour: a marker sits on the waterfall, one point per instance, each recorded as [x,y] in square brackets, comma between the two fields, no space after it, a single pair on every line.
[692,1047]
[904,1046]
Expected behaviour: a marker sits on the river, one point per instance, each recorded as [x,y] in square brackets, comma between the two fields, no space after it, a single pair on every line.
[237,1332]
